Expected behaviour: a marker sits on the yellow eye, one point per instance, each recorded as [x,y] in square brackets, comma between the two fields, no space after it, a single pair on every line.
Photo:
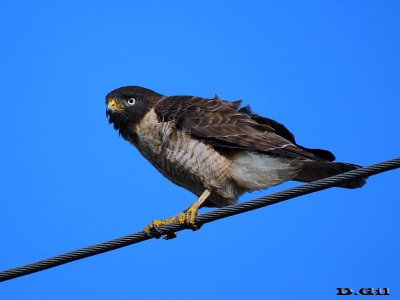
[131,101]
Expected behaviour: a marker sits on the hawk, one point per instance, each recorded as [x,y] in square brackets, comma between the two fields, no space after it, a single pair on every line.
[214,148]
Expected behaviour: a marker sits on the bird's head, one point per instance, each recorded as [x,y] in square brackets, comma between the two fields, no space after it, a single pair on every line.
[127,105]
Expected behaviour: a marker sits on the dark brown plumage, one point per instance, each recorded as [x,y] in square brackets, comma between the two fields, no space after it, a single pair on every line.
[213,147]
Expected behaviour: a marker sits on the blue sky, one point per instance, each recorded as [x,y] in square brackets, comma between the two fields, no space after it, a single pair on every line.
[329,70]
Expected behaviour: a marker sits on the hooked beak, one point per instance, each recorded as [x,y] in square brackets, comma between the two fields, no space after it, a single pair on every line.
[113,106]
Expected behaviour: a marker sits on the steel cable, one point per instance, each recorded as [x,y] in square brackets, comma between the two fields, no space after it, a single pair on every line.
[201,219]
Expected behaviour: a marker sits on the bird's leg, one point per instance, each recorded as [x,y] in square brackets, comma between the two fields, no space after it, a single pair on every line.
[184,218]
[192,212]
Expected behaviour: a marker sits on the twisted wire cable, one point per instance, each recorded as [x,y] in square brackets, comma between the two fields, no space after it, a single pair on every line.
[201,219]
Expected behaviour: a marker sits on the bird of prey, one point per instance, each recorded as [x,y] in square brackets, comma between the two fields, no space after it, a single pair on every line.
[214,148]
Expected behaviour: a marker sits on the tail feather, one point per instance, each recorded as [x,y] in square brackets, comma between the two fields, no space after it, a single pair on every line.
[315,170]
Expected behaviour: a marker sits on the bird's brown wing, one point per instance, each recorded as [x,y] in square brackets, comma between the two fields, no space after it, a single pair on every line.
[222,124]
[281,130]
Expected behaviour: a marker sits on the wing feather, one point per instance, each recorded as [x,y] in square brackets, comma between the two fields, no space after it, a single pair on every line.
[223,124]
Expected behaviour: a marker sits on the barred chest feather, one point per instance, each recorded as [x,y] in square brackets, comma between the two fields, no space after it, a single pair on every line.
[194,165]
[186,161]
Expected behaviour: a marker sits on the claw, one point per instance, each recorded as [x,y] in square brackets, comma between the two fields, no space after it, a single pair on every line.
[170,236]
[189,216]
[152,230]
[186,218]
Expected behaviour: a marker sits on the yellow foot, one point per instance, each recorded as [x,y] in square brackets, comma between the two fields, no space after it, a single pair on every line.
[184,218]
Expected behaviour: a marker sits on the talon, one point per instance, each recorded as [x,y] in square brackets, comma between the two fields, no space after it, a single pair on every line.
[170,236]
[156,229]
[187,218]
[152,230]
[194,226]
